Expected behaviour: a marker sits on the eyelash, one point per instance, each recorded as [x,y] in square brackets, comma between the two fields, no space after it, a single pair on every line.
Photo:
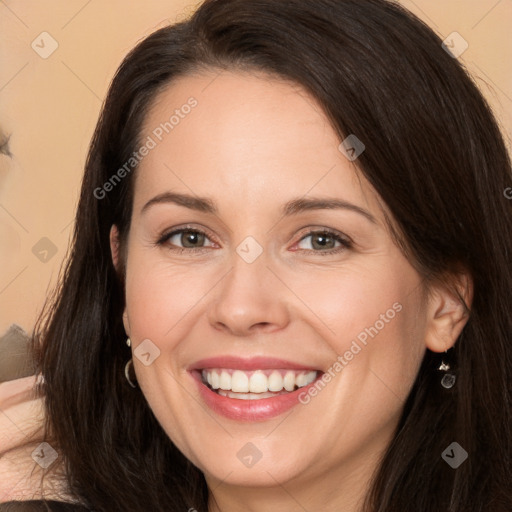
[338,237]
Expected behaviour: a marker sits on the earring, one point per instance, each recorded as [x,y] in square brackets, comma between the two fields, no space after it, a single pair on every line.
[127,367]
[129,342]
[448,380]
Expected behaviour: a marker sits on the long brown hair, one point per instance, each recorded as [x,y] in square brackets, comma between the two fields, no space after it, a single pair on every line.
[435,156]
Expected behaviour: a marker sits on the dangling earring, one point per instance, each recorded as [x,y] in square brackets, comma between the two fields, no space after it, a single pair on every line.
[448,380]
[127,373]
[128,366]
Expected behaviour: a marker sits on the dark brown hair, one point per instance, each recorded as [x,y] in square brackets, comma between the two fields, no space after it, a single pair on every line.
[435,156]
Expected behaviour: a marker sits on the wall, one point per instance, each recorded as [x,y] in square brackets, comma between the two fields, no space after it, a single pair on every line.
[50,106]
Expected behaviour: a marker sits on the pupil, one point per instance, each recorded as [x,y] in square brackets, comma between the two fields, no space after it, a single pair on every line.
[190,238]
[324,240]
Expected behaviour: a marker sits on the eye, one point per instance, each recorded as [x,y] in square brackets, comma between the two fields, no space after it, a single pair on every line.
[184,239]
[324,241]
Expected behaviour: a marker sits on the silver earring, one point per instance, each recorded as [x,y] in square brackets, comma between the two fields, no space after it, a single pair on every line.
[449,378]
[129,342]
[127,373]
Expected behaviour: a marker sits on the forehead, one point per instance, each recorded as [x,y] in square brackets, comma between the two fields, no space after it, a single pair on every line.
[244,137]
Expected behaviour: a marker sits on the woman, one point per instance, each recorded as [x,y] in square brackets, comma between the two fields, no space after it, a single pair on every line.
[339,337]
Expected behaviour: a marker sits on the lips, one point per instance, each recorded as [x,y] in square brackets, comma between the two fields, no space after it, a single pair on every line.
[252,389]
[253,363]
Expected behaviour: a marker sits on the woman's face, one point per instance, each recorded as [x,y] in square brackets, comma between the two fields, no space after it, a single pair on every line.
[257,294]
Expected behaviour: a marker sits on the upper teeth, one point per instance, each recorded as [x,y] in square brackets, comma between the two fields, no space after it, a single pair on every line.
[258,381]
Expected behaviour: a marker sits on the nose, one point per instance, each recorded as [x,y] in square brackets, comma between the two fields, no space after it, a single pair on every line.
[249,299]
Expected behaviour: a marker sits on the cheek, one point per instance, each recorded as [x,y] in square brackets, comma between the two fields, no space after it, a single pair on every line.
[160,296]
[371,317]
[354,300]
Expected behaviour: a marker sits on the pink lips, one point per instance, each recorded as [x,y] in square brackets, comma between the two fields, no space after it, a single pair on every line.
[254,363]
[248,410]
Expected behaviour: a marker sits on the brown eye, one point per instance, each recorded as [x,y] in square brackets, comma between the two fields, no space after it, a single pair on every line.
[192,238]
[181,239]
[324,242]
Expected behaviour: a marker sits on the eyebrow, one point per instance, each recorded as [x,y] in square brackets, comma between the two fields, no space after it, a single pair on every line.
[293,207]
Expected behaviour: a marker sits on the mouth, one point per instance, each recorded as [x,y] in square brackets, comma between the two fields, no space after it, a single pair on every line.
[255,384]
[252,389]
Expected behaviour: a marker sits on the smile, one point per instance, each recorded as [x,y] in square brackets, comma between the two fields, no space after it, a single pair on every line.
[254,389]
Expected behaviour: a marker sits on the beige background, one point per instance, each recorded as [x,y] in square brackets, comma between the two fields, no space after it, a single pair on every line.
[50,106]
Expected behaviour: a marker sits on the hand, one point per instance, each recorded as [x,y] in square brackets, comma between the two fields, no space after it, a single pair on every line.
[21,432]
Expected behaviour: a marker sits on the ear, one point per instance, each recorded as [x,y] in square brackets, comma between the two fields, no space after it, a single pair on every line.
[114,249]
[126,323]
[114,245]
[447,314]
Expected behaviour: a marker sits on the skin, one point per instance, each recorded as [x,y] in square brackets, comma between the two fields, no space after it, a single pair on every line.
[21,433]
[252,144]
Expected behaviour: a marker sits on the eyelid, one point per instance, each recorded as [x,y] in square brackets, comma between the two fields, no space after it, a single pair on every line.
[166,234]
[322,229]
[345,241]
